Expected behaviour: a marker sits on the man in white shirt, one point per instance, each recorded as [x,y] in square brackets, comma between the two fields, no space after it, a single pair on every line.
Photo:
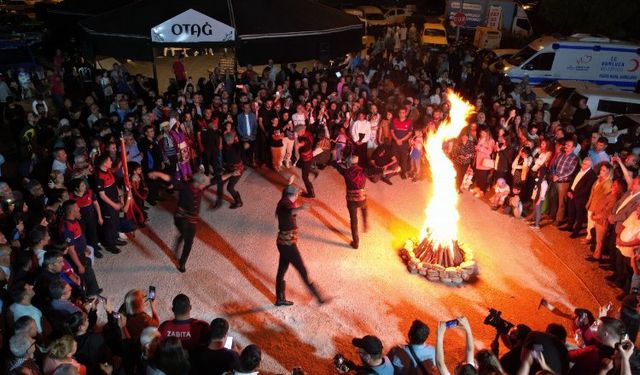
[23,294]
[60,161]
[300,117]
[360,134]
[94,116]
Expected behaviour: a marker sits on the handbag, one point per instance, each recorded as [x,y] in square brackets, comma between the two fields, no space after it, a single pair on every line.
[523,174]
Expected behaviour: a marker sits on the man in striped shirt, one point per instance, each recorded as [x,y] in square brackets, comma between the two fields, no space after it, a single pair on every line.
[563,168]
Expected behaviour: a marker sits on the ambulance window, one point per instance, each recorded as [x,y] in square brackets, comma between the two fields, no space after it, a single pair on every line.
[521,56]
[523,23]
[613,106]
[543,61]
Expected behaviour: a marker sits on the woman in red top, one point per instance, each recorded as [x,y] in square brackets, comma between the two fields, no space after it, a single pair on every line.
[91,215]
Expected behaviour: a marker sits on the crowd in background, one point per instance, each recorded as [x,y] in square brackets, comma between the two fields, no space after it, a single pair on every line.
[67,196]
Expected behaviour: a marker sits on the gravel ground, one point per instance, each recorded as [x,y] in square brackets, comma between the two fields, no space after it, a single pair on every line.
[232,268]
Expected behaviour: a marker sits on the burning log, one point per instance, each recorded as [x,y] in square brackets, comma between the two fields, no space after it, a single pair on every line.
[436,262]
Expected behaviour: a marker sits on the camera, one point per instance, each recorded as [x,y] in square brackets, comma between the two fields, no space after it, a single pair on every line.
[341,363]
[495,320]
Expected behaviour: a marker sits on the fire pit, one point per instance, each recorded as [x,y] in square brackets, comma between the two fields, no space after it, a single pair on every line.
[437,263]
[437,254]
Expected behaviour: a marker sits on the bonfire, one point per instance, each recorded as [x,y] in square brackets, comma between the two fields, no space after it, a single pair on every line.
[437,254]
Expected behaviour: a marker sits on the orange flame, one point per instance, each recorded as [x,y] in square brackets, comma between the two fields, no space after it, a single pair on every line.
[441,223]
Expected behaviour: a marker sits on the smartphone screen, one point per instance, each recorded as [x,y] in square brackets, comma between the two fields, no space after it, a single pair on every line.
[229,343]
[537,351]
[338,74]
[452,323]
[152,292]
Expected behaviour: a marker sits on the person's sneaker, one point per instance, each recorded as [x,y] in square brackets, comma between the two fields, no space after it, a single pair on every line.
[182,268]
[387,181]
[121,242]
[235,205]
[98,254]
[113,250]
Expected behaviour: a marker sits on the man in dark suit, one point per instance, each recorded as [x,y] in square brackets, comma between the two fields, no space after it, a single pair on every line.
[626,206]
[577,198]
[247,127]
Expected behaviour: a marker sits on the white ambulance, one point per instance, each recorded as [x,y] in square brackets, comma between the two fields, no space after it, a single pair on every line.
[580,57]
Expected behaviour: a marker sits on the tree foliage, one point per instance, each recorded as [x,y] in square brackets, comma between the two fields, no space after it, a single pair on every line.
[613,18]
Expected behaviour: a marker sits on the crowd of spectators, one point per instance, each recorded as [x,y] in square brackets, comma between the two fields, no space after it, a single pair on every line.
[67,196]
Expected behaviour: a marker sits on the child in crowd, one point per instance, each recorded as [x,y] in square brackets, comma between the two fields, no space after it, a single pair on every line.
[341,144]
[514,204]
[520,166]
[277,145]
[501,190]
[468,179]
[538,195]
[417,150]
[139,192]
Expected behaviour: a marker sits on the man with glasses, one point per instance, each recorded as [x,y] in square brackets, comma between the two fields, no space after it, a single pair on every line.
[51,270]
[23,349]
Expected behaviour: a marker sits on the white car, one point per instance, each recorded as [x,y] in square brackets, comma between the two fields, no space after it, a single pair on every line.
[354,12]
[397,15]
[373,16]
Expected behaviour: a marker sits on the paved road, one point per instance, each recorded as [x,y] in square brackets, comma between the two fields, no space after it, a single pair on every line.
[232,269]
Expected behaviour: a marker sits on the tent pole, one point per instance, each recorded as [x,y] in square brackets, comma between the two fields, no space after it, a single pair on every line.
[155,70]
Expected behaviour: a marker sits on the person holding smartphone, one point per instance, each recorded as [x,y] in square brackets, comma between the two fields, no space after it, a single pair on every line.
[463,323]
[609,333]
[221,354]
